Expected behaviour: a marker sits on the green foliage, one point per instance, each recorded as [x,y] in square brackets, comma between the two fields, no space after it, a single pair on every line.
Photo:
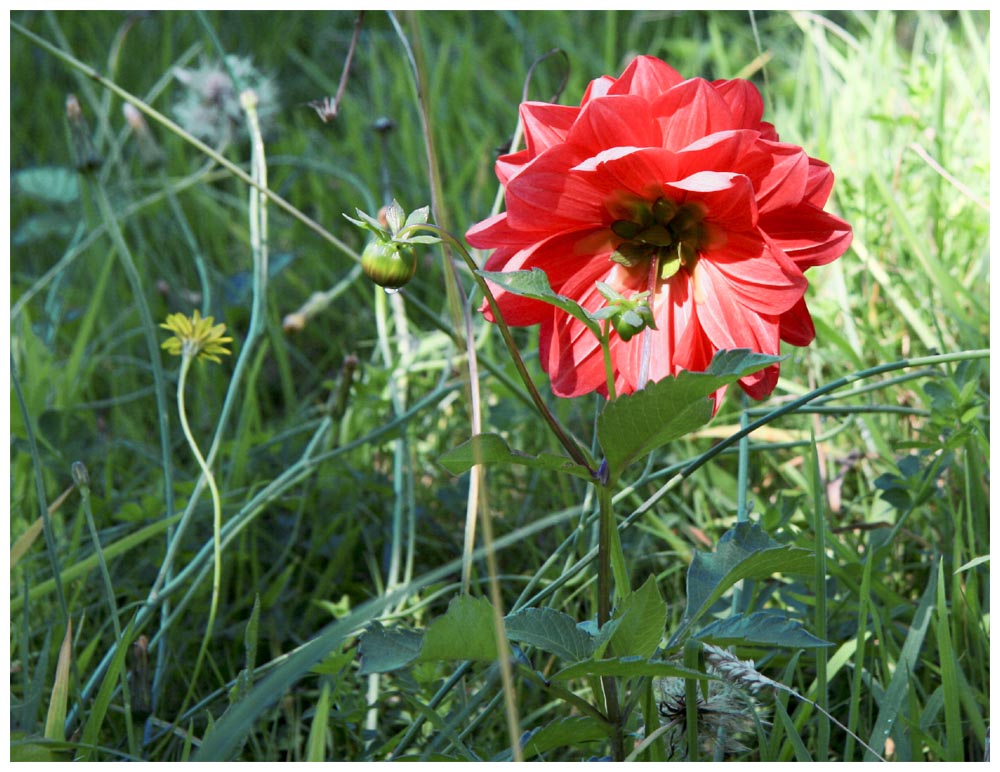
[492,449]
[327,431]
[636,424]
[745,552]
[551,631]
[570,731]
[760,628]
[464,633]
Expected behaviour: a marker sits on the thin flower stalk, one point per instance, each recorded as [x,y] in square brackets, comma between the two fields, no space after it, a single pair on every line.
[197,338]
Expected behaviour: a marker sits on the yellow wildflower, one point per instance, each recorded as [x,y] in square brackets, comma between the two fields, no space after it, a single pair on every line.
[195,337]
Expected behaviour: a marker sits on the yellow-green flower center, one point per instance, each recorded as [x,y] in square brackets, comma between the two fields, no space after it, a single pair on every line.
[664,231]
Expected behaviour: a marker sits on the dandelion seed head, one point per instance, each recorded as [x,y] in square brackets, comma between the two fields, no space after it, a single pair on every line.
[210,107]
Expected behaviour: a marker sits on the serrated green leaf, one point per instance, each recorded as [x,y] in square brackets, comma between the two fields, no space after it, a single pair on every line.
[636,424]
[465,632]
[492,449]
[764,628]
[386,649]
[534,284]
[744,552]
[551,631]
[625,667]
[572,730]
[642,617]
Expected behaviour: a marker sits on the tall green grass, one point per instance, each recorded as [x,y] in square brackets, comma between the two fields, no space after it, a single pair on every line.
[334,511]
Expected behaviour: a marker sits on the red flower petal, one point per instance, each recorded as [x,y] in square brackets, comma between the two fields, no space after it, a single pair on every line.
[562,257]
[784,184]
[725,151]
[748,272]
[726,319]
[819,184]
[510,165]
[495,231]
[727,198]
[546,124]
[597,88]
[690,111]
[669,345]
[647,77]
[543,195]
[760,384]
[808,235]
[640,171]
[615,121]
[745,102]
[570,353]
[796,325]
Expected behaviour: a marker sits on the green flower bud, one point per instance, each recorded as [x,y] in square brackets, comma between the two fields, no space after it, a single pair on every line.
[388,265]
[632,321]
[80,476]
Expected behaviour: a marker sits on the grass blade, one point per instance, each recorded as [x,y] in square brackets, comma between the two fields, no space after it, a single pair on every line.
[55,721]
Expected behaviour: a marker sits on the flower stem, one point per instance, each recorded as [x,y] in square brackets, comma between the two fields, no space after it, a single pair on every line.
[574,450]
[607,539]
[609,370]
[216,524]
[647,336]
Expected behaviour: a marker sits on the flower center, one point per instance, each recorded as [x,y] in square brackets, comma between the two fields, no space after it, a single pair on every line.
[663,231]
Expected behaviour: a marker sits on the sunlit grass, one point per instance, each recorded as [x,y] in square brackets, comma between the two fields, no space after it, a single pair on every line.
[334,512]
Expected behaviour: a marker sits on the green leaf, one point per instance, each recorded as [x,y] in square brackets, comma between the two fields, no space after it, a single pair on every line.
[572,730]
[642,618]
[96,714]
[56,719]
[625,667]
[386,649]
[53,184]
[636,424]
[492,449]
[551,631]
[465,632]
[760,628]
[24,748]
[534,284]
[316,744]
[744,552]
[971,564]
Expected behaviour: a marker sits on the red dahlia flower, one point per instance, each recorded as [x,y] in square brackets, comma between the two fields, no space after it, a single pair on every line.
[673,187]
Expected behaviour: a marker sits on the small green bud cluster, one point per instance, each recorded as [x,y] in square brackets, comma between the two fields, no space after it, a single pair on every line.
[628,316]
